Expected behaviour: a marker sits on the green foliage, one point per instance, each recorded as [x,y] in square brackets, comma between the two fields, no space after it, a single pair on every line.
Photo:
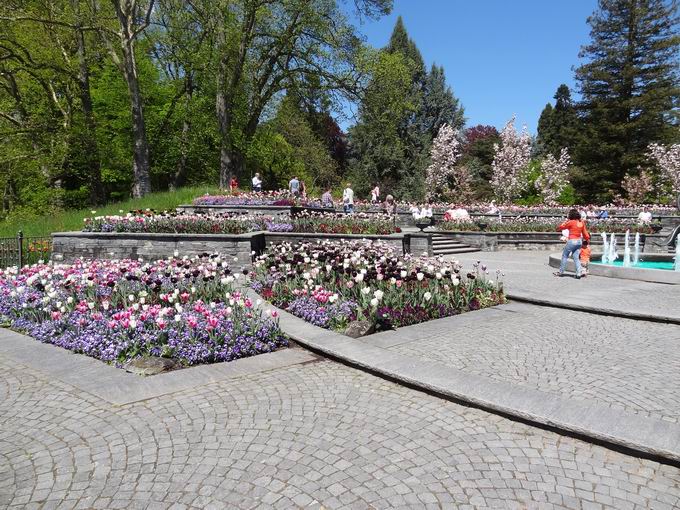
[568,196]
[558,127]
[630,88]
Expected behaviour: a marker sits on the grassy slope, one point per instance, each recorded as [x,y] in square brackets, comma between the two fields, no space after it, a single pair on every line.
[73,219]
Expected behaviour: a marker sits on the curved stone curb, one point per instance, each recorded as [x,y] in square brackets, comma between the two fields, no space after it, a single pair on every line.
[641,436]
[523,298]
[639,274]
[118,387]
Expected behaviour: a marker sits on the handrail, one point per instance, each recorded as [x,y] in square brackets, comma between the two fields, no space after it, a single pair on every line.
[671,239]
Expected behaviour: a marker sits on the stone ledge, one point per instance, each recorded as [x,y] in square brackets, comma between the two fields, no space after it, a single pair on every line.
[119,387]
[592,421]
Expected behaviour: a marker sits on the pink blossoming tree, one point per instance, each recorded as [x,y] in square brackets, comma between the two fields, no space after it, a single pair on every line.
[510,162]
[668,161]
[638,187]
[554,176]
[443,178]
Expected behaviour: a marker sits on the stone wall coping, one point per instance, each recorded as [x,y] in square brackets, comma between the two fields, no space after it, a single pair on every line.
[156,235]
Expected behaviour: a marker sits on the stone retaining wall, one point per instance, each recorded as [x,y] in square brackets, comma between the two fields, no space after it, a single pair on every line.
[68,246]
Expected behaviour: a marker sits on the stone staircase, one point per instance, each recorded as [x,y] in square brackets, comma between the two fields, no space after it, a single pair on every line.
[445,245]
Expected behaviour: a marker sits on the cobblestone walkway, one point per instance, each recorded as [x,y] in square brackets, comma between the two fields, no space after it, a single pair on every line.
[308,435]
[626,364]
[527,273]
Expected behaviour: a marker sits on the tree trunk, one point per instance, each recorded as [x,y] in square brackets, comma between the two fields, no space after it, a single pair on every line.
[90,143]
[181,168]
[223,109]
[140,161]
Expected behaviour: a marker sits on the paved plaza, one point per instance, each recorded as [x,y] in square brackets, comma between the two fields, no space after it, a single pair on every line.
[295,430]
[626,364]
[528,276]
[309,435]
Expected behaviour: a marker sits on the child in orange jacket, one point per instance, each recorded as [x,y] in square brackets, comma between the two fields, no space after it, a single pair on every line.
[585,256]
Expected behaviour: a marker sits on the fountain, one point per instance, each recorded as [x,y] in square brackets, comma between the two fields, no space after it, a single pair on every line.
[677,253]
[605,249]
[612,256]
[626,250]
[636,256]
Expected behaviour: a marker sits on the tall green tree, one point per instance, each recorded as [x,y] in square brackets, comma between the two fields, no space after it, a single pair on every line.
[439,105]
[262,48]
[558,126]
[379,150]
[629,87]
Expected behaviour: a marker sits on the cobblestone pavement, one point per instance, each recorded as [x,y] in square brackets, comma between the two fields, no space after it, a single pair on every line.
[626,364]
[527,273]
[310,435]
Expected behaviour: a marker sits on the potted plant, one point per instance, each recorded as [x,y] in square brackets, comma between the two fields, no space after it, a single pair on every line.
[423,217]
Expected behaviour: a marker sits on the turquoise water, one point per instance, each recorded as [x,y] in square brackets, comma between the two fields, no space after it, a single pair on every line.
[643,264]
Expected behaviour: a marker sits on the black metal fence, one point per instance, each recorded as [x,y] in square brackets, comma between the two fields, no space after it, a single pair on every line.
[21,251]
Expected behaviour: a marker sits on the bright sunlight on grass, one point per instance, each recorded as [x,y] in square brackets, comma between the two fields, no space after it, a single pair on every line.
[64,221]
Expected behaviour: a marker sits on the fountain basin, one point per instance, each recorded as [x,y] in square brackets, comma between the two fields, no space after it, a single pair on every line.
[645,271]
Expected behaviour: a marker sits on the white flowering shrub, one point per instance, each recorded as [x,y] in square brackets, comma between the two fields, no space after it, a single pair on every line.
[554,176]
[510,162]
[443,178]
[668,161]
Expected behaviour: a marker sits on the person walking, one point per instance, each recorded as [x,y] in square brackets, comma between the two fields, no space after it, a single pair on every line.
[348,199]
[257,183]
[577,232]
[294,186]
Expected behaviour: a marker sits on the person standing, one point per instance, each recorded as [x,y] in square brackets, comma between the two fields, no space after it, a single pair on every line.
[233,184]
[577,232]
[348,199]
[303,189]
[257,183]
[375,194]
[294,186]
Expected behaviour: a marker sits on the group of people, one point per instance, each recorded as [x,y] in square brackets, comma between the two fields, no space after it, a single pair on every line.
[256,180]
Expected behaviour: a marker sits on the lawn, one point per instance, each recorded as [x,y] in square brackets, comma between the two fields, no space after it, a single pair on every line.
[73,219]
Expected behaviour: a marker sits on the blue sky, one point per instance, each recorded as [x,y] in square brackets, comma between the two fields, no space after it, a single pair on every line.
[501,57]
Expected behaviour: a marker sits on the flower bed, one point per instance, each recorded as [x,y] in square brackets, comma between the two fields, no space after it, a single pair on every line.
[337,223]
[280,198]
[115,311]
[331,284]
[175,223]
[537,225]
[233,223]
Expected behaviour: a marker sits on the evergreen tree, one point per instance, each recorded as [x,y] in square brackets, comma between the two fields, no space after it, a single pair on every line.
[558,126]
[439,106]
[392,141]
[629,87]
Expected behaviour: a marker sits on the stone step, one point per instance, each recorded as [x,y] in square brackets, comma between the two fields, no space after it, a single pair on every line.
[447,241]
[453,251]
[449,245]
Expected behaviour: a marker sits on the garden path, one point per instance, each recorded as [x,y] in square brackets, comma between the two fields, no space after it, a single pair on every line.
[313,435]
[629,365]
[528,276]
